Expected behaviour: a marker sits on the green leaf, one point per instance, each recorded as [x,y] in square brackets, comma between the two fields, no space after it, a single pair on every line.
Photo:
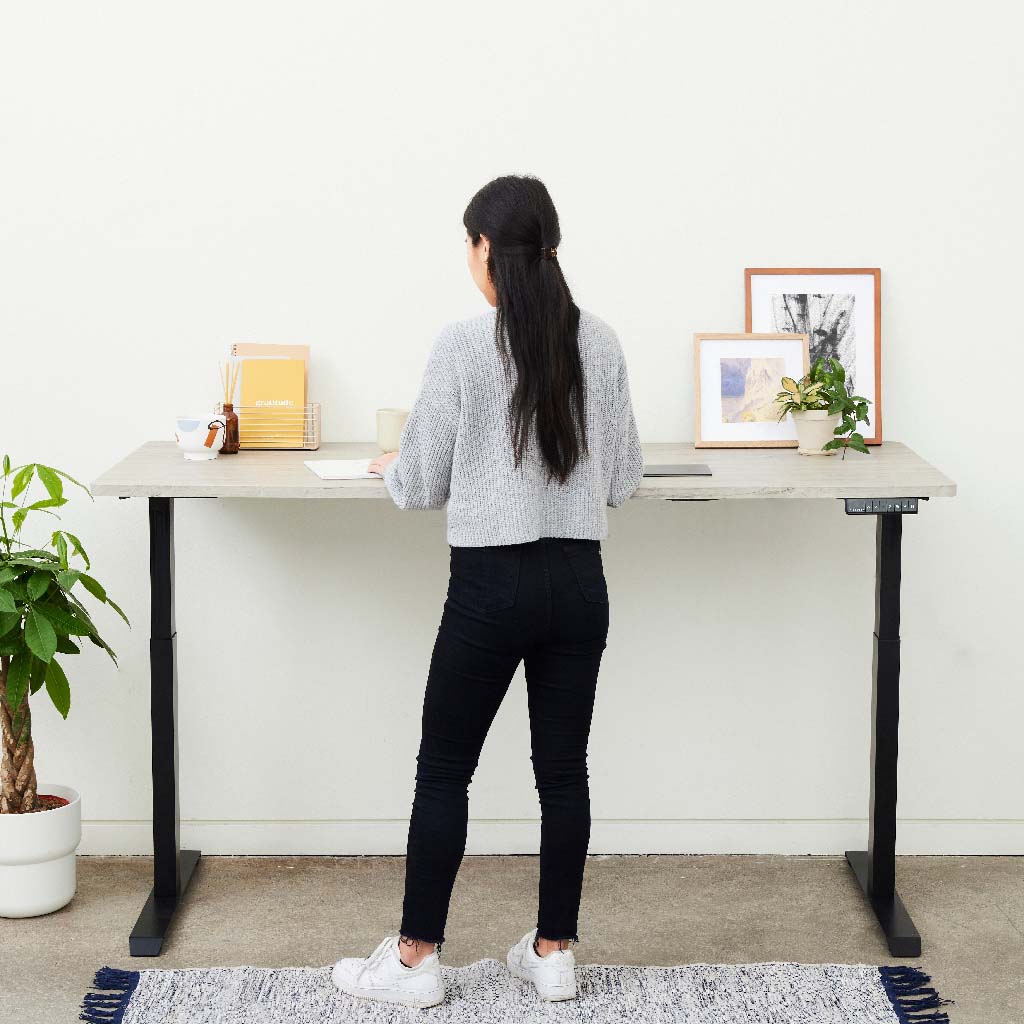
[51,482]
[93,587]
[47,556]
[46,503]
[17,679]
[25,561]
[36,675]
[64,622]
[67,476]
[38,584]
[39,635]
[67,578]
[58,689]
[80,611]
[76,545]
[8,620]
[65,645]
[100,642]
[18,519]
[62,548]
[7,602]
[7,464]
[11,644]
[113,604]
[22,479]
[856,442]
[7,573]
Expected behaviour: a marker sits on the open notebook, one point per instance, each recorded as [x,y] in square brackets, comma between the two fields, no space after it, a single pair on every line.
[341,469]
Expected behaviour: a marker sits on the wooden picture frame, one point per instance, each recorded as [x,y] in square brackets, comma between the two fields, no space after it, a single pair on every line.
[859,292]
[792,349]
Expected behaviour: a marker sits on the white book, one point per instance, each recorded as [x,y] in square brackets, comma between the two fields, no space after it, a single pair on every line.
[342,469]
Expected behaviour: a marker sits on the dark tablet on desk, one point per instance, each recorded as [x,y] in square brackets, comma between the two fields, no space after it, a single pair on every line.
[677,469]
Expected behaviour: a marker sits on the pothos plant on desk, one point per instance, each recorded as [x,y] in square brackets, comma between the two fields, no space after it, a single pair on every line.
[41,617]
[824,410]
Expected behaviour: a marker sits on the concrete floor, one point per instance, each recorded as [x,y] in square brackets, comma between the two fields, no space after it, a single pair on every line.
[290,911]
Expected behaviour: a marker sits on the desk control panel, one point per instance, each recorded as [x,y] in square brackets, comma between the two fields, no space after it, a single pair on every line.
[875,506]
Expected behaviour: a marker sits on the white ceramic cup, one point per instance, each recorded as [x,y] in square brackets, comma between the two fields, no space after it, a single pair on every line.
[200,437]
[389,428]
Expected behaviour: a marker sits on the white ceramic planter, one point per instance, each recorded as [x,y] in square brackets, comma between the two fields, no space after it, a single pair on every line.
[37,856]
[814,428]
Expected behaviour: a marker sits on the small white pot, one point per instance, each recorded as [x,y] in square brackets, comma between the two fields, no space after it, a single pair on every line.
[814,428]
[200,437]
[37,856]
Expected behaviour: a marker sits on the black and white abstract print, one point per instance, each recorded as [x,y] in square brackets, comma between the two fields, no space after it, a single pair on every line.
[828,322]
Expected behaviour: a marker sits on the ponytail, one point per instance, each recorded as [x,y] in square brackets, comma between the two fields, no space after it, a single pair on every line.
[537,322]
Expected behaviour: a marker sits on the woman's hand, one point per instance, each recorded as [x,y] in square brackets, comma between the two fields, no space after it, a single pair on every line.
[377,465]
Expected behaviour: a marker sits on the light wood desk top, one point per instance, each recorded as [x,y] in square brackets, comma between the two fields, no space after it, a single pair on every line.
[157,469]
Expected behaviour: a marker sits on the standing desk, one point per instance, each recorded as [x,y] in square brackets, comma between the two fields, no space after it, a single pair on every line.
[888,484]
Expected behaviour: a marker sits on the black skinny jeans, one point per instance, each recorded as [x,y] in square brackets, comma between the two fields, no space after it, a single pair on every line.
[544,603]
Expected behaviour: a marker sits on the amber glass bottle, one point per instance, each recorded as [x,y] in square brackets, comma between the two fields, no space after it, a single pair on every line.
[230,446]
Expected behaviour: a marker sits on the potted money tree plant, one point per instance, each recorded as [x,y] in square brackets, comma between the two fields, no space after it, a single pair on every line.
[42,622]
[824,411]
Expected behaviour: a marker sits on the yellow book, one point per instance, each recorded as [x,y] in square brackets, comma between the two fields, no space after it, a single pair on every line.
[273,404]
[260,350]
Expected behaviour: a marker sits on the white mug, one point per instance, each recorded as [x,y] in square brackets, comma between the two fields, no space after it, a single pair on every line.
[200,437]
[389,428]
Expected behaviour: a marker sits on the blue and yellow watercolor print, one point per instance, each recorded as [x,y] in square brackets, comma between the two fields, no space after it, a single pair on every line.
[749,387]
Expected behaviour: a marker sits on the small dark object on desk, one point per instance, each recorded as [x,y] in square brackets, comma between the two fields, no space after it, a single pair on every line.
[230,446]
[675,469]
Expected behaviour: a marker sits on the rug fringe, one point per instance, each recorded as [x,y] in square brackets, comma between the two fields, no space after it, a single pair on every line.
[909,992]
[108,1006]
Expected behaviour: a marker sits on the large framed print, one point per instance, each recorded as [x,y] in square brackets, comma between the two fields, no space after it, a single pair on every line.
[840,311]
[736,380]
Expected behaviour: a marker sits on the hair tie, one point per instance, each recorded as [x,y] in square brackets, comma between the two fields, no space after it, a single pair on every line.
[548,252]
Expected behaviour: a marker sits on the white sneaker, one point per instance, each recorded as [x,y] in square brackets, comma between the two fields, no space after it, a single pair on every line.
[383,976]
[554,975]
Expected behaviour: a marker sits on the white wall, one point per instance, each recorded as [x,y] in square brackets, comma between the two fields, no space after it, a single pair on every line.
[176,178]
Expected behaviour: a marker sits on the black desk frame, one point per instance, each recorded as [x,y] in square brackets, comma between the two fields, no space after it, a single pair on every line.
[875,868]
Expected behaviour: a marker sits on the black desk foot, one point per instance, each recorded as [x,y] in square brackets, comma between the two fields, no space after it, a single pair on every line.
[900,934]
[147,937]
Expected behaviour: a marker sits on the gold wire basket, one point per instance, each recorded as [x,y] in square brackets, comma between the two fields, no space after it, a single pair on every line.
[259,427]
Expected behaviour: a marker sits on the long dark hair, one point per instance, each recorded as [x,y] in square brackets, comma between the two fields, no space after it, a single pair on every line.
[537,322]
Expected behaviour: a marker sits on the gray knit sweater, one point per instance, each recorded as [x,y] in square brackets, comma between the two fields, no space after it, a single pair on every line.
[456,443]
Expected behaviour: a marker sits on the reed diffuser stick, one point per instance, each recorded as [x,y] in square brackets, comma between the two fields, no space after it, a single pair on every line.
[228,378]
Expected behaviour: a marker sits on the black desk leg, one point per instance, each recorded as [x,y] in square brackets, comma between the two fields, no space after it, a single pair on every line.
[172,867]
[875,867]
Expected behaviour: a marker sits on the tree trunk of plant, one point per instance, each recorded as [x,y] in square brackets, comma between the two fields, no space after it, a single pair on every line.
[17,756]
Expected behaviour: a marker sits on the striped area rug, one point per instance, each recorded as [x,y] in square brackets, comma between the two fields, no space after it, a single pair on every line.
[485,993]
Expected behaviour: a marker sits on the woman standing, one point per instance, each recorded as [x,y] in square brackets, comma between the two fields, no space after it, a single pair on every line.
[524,425]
